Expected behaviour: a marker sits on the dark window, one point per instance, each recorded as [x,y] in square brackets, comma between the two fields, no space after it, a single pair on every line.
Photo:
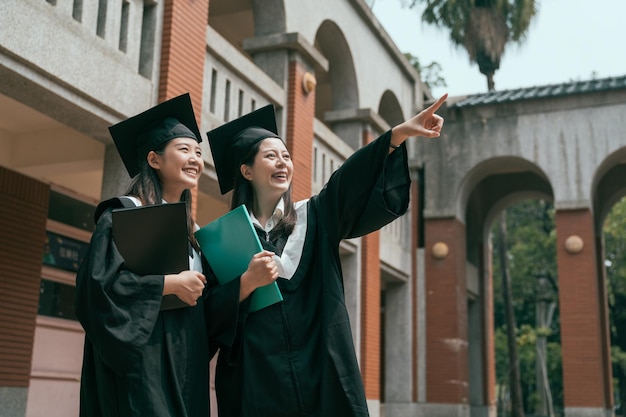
[146,48]
[102,18]
[77,10]
[124,27]
[213,92]
[227,102]
[57,300]
[70,211]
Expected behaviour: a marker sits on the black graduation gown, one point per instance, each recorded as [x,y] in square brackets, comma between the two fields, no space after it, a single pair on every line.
[297,358]
[138,360]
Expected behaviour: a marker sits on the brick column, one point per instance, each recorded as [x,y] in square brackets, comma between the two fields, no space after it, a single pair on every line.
[370,308]
[299,134]
[416,210]
[446,319]
[489,352]
[584,340]
[183,51]
[370,315]
[23,214]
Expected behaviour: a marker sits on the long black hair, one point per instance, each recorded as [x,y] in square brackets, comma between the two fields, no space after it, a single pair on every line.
[147,187]
[243,193]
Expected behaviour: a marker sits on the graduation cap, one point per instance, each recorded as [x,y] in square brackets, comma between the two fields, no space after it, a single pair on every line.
[137,136]
[231,142]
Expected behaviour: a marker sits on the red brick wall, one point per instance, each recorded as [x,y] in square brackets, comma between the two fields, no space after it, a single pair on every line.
[370,315]
[489,351]
[370,310]
[585,377]
[183,52]
[183,49]
[299,134]
[415,204]
[446,314]
[23,214]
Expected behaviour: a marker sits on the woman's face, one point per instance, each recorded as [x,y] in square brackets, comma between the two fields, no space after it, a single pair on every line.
[272,169]
[179,166]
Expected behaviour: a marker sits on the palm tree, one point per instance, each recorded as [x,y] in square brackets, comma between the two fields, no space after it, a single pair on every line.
[481,27]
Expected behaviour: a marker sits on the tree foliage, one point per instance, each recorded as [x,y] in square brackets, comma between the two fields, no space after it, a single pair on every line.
[614,231]
[481,27]
[430,74]
[531,256]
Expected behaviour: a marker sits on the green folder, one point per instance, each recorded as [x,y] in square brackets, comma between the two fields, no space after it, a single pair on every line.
[228,243]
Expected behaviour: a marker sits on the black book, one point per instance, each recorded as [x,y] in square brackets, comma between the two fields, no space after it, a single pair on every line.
[153,240]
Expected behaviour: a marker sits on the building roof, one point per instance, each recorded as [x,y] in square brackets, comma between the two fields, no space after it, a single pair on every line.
[552,90]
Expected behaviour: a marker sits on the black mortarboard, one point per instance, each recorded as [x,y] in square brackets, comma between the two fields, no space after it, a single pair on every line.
[137,136]
[231,142]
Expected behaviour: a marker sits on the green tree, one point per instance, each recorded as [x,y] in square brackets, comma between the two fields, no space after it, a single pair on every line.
[531,255]
[482,27]
[515,386]
[614,231]
[430,74]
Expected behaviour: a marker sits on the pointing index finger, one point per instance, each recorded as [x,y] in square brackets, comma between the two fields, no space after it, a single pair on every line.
[435,106]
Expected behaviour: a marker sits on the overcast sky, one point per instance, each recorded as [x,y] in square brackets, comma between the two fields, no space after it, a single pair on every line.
[567,40]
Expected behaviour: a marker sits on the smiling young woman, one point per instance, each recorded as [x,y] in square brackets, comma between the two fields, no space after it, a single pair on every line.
[140,360]
[296,358]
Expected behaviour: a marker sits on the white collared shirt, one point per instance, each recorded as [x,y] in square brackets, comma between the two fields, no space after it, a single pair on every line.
[273,220]
[288,262]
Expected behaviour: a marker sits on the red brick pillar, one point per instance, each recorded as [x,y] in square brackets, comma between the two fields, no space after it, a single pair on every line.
[489,353]
[370,315]
[183,52]
[584,339]
[446,314]
[299,134]
[23,215]
[370,309]
[415,245]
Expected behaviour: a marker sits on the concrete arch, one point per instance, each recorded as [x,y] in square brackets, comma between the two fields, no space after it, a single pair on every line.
[508,173]
[389,109]
[608,186]
[237,20]
[487,190]
[336,89]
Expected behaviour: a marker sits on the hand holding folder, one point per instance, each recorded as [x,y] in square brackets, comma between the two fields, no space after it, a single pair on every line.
[228,243]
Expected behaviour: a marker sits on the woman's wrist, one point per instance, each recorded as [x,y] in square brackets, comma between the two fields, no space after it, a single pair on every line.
[244,287]
[169,284]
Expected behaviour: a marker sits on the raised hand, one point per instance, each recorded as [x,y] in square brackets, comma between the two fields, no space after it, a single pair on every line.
[426,124]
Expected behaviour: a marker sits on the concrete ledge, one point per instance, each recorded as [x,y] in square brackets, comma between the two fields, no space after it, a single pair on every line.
[13,401]
[293,41]
[399,409]
[587,412]
[442,410]
[374,408]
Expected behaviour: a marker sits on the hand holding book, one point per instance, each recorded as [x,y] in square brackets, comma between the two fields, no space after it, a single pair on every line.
[262,271]
[230,245]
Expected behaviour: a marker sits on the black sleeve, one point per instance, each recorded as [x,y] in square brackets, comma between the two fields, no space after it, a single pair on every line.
[222,310]
[368,191]
[117,309]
